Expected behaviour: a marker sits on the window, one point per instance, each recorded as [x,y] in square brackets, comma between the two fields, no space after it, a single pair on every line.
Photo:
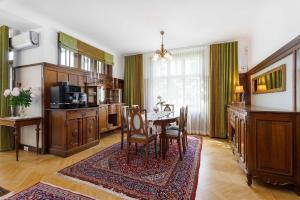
[100,67]
[67,57]
[181,81]
[86,63]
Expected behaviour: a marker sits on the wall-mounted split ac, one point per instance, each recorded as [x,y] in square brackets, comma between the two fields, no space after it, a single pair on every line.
[25,40]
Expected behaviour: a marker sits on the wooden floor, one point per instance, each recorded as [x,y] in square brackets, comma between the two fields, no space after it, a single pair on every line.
[220,176]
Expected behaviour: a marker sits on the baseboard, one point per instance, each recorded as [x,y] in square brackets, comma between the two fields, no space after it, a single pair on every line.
[30,148]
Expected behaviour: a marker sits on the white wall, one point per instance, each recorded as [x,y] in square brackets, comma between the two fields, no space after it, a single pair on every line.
[31,77]
[243,54]
[278,100]
[118,68]
[47,50]
[276,25]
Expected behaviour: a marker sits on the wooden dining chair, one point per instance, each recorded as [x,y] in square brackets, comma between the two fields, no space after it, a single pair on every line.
[168,107]
[138,132]
[124,123]
[135,106]
[185,133]
[178,134]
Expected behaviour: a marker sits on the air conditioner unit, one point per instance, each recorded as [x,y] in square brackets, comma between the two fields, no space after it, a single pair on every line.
[25,40]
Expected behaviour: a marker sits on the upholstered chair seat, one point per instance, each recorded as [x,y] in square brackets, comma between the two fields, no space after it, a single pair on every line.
[172,133]
[173,127]
[139,132]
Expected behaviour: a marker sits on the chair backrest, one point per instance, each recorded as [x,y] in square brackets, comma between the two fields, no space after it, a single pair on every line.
[135,106]
[181,121]
[124,123]
[137,125]
[185,118]
[168,107]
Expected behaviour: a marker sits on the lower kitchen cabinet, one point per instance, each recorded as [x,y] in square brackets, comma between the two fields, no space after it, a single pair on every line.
[72,130]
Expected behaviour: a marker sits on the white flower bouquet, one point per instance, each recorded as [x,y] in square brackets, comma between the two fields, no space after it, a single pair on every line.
[19,97]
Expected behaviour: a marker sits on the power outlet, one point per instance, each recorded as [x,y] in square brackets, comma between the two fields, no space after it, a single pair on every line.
[26,148]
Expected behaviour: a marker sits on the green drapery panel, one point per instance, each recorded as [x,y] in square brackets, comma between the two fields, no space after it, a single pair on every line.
[6,138]
[223,79]
[134,80]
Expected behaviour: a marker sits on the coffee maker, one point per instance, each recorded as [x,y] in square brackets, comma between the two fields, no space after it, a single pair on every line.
[64,95]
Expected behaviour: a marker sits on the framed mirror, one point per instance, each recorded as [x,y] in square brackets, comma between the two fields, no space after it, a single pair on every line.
[271,81]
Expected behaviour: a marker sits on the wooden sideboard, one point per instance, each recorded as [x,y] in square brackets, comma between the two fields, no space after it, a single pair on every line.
[72,130]
[110,117]
[266,143]
[50,74]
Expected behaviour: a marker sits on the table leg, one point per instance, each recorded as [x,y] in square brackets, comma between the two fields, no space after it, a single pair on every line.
[37,137]
[163,137]
[17,141]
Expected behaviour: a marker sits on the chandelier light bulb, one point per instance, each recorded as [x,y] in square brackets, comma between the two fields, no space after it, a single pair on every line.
[162,54]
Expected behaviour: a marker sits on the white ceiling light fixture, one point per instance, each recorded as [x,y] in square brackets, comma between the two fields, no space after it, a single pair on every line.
[162,54]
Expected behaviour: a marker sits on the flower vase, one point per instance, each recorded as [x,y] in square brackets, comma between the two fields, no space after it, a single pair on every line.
[12,111]
[22,111]
[155,109]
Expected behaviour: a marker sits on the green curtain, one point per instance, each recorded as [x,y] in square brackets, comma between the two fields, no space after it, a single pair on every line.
[133,80]
[6,138]
[223,79]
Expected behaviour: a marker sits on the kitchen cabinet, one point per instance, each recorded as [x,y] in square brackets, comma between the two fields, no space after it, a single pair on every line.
[72,130]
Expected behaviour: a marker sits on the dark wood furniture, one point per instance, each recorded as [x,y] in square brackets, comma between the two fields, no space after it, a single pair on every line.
[162,122]
[109,117]
[266,143]
[168,107]
[51,74]
[178,135]
[138,132]
[72,130]
[291,48]
[124,124]
[17,123]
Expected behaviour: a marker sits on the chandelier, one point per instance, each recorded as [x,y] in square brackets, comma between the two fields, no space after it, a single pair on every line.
[162,54]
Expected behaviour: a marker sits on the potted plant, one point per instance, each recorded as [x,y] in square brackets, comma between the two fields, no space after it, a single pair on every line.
[19,98]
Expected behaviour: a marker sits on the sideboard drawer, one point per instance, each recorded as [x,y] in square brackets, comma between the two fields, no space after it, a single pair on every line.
[74,114]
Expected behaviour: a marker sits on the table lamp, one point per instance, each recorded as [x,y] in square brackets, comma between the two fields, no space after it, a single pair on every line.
[239,89]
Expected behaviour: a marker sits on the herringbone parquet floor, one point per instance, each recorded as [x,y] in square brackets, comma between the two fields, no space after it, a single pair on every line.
[220,176]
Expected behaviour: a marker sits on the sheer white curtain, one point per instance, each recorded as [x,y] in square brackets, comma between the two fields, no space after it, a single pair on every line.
[181,81]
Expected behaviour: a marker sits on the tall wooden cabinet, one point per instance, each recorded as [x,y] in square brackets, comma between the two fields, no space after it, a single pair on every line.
[72,130]
[103,120]
[266,143]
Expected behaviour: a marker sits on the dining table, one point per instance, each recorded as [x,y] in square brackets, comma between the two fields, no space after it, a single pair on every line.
[162,119]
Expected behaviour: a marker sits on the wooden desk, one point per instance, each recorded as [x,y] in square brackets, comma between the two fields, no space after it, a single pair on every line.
[17,123]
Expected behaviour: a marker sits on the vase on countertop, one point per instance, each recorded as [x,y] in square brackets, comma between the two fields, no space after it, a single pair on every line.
[12,111]
[21,111]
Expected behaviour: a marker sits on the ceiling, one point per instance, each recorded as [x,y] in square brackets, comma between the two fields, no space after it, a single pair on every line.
[133,26]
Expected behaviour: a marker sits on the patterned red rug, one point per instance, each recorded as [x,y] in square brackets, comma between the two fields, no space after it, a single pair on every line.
[161,179]
[42,191]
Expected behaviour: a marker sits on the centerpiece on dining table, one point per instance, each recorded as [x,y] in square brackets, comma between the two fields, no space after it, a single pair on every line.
[159,103]
[19,99]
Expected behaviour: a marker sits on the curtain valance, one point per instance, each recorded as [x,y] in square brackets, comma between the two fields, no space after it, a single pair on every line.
[81,47]
[68,42]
